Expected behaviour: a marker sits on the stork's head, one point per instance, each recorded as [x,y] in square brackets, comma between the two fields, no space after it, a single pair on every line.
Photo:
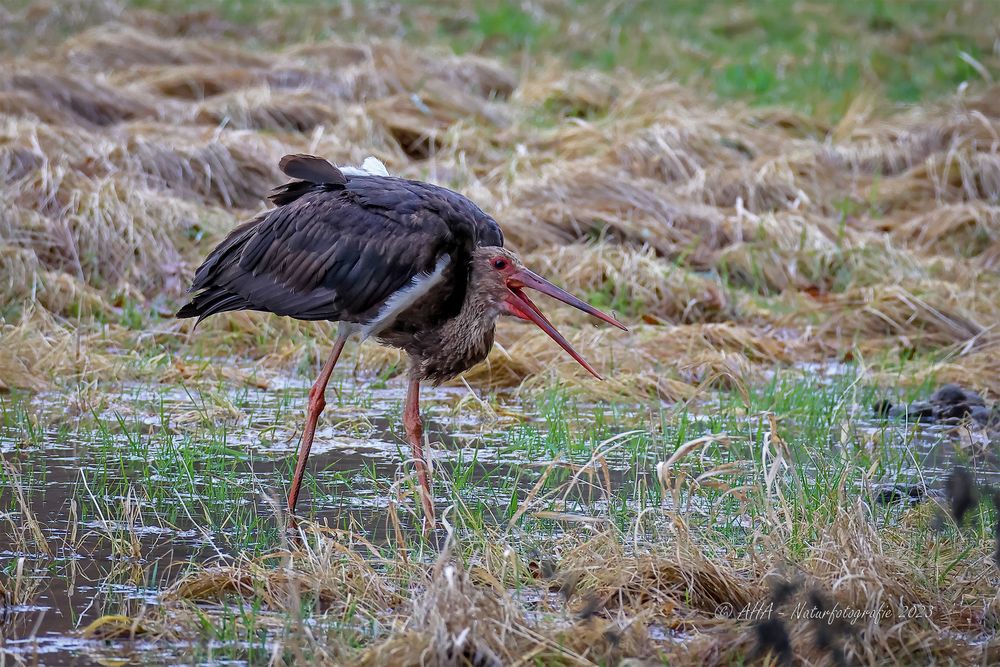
[501,277]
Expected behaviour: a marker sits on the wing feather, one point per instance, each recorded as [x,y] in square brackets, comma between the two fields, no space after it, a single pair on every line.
[339,251]
[311,169]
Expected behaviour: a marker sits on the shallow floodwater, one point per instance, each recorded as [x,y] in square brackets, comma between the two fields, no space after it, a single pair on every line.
[127,495]
[129,487]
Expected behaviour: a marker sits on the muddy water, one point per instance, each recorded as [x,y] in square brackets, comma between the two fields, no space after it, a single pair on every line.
[122,519]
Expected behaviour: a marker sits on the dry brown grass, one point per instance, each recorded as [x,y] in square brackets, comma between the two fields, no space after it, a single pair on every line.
[600,596]
[135,144]
[731,240]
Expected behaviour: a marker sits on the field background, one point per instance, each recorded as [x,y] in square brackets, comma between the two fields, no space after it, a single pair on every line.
[744,180]
[766,193]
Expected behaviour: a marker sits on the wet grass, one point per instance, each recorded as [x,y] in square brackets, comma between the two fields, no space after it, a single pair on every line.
[780,269]
[128,491]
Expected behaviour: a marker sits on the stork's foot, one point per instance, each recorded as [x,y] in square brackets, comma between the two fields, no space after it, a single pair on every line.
[293,535]
[426,497]
[424,489]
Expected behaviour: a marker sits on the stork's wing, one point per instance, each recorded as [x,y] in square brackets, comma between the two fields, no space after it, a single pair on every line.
[338,254]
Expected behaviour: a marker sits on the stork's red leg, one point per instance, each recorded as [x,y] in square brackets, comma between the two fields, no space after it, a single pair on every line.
[317,401]
[415,432]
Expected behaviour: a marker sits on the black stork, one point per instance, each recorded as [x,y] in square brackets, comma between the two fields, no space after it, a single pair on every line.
[417,266]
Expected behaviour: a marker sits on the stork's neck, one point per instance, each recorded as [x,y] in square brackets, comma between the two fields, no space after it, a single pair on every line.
[458,343]
[474,322]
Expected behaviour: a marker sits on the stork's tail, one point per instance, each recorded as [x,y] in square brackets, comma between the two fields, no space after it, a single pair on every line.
[210,302]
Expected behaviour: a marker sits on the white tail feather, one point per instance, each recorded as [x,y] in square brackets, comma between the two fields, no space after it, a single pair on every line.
[372,166]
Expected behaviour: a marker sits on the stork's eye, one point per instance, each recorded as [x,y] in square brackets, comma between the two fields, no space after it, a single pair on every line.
[499,264]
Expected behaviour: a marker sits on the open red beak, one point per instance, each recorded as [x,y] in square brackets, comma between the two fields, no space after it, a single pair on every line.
[519,305]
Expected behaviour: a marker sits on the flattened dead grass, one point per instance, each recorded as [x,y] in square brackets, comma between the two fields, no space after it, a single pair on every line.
[730,240]
[140,141]
[636,281]
[601,597]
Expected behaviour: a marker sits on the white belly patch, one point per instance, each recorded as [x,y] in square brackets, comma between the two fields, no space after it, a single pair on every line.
[406,296]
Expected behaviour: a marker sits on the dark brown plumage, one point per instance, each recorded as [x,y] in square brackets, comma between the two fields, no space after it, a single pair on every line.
[415,265]
[336,249]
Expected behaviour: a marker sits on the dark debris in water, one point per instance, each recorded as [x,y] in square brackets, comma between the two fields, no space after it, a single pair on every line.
[963,496]
[950,403]
[891,494]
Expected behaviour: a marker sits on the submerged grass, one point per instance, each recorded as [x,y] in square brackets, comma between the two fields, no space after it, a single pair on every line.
[652,517]
[589,535]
